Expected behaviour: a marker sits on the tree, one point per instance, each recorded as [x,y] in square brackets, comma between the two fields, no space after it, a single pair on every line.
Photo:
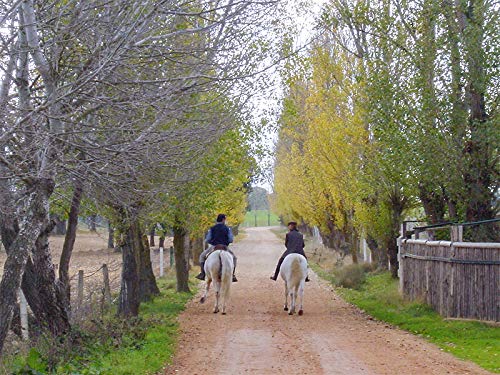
[103,97]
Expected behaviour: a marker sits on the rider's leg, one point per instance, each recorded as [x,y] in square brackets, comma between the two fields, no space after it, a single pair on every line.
[277,271]
[234,268]
[201,275]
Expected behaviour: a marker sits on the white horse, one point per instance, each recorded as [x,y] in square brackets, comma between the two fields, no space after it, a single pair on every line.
[294,271]
[219,269]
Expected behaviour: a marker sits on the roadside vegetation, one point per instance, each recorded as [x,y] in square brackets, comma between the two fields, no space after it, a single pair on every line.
[376,293]
[389,115]
[141,345]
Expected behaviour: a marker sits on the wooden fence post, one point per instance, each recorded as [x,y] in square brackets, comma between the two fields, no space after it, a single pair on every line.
[80,289]
[457,232]
[106,289]
[401,259]
[23,313]
[161,261]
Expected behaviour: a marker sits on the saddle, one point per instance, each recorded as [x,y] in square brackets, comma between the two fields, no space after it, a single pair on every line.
[216,247]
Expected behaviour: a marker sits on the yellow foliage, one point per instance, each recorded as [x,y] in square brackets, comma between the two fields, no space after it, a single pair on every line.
[323,142]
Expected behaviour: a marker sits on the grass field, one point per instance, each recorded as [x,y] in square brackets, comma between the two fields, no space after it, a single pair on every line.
[260,218]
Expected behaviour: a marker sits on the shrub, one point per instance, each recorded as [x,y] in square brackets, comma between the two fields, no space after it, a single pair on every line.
[351,276]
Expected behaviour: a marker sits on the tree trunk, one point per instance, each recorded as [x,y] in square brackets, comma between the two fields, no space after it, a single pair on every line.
[52,310]
[29,230]
[129,291]
[434,206]
[69,242]
[480,152]
[181,249]
[392,255]
[378,256]
[111,236]
[147,281]
[152,236]
[433,203]
[60,226]
[138,280]
[397,203]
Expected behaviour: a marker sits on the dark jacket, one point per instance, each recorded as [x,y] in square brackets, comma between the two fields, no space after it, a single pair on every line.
[294,242]
[219,234]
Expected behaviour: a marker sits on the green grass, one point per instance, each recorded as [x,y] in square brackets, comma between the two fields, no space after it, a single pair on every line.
[114,346]
[378,296]
[260,217]
[157,349]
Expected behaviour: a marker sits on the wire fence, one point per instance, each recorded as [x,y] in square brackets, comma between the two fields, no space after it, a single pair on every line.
[94,291]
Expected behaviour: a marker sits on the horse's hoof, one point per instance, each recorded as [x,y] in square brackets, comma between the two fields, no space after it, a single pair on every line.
[202,300]
[216,311]
[223,313]
[285,308]
[290,313]
[301,312]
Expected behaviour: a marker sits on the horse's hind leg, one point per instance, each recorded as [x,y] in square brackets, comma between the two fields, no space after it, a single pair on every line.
[204,297]
[223,305]
[217,297]
[286,298]
[301,296]
[292,303]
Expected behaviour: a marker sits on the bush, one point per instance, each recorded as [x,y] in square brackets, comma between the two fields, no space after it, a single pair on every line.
[351,276]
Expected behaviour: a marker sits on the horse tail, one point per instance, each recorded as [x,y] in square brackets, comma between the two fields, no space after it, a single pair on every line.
[296,273]
[226,272]
[296,266]
[219,272]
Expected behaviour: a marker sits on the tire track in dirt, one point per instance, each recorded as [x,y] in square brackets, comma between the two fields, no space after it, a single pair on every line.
[333,337]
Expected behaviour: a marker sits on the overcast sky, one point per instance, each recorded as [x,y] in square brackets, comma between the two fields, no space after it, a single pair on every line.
[269,102]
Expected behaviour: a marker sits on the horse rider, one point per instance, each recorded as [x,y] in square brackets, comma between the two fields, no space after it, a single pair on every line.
[294,242]
[219,237]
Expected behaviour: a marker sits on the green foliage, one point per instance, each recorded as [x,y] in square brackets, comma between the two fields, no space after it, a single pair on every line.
[220,186]
[474,341]
[32,364]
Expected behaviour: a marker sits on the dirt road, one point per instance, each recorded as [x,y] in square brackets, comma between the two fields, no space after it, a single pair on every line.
[332,337]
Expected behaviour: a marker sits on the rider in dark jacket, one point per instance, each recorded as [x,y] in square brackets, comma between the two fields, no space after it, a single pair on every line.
[294,242]
[218,235]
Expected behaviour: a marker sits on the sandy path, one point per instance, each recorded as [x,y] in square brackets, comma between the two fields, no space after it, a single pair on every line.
[332,337]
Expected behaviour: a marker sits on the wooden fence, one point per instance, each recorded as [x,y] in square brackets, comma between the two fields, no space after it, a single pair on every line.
[458,279]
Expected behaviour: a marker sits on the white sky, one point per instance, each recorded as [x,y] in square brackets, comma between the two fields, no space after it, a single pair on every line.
[269,102]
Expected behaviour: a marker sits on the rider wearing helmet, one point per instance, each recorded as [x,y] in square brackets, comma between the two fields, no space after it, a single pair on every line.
[219,237]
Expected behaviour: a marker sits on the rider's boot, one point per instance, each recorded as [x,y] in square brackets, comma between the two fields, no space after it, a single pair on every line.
[234,276]
[201,276]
